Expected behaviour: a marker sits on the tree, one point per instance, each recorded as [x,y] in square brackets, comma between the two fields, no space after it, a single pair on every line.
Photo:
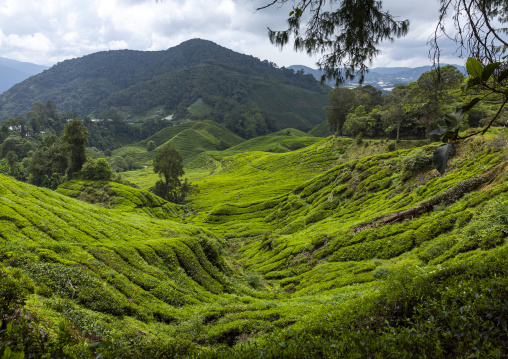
[342,102]
[35,125]
[76,138]
[4,132]
[98,170]
[433,93]
[49,163]
[348,35]
[375,96]
[15,144]
[168,164]
[348,32]
[12,159]
[356,122]
[396,112]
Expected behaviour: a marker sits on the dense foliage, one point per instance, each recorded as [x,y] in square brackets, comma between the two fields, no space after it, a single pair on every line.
[415,110]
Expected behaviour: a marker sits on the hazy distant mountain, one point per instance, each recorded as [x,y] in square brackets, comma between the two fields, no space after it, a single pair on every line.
[13,72]
[197,79]
[384,78]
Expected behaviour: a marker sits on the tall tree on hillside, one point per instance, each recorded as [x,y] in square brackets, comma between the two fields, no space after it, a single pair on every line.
[76,138]
[49,163]
[342,102]
[375,96]
[396,112]
[168,164]
[12,159]
[15,143]
[356,122]
[434,92]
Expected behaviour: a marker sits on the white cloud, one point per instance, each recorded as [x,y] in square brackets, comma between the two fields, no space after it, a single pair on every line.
[118,45]
[53,30]
[37,42]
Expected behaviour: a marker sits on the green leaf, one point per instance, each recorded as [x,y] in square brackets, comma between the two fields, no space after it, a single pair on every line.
[471,104]
[95,345]
[503,75]
[454,119]
[7,353]
[489,70]
[473,82]
[440,157]
[449,135]
[474,67]
[438,131]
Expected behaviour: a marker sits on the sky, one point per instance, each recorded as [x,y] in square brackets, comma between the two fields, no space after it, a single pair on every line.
[49,31]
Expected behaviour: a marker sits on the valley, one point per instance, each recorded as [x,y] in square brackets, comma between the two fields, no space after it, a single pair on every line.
[280,254]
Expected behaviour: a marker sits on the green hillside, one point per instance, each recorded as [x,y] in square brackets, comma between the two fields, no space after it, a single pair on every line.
[321,130]
[122,197]
[191,139]
[333,250]
[196,79]
[204,144]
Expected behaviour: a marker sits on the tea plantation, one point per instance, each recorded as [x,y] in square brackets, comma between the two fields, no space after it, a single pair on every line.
[333,250]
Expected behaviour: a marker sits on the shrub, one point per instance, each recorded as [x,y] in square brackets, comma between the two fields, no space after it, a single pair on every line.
[391,147]
[417,162]
[97,170]
[254,280]
[150,146]
[381,272]
[359,139]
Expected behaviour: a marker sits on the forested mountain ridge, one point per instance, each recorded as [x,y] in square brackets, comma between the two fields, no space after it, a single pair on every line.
[194,70]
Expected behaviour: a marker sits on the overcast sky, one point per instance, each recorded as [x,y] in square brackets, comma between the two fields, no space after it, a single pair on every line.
[48,31]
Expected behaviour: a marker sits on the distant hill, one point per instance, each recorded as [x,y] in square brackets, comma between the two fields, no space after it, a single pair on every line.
[383,78]
[230,88]
[191,139]
[13,72]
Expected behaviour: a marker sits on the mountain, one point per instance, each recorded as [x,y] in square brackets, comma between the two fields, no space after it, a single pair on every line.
[383,78]
[229,87]
[13,72]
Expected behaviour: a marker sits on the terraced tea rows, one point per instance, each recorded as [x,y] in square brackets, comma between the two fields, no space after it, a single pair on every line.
[317,252]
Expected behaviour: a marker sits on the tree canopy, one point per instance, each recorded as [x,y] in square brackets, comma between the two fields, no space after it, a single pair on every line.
[168,164]
[76,138]
[348,32]
[348,36]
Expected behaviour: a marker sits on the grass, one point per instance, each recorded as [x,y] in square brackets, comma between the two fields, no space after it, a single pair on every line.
[331,250]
